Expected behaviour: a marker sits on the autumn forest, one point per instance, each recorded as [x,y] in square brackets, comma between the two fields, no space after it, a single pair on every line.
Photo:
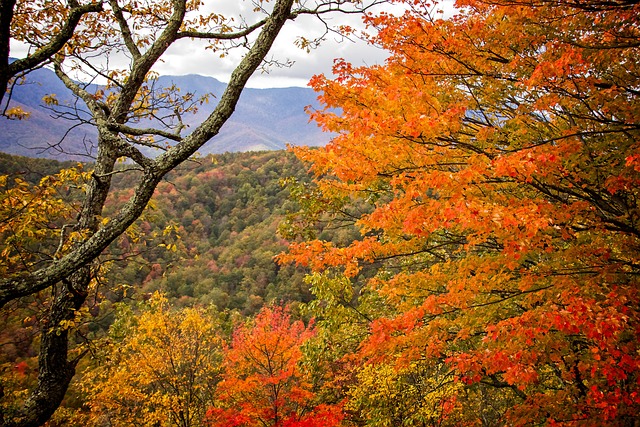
[465,251]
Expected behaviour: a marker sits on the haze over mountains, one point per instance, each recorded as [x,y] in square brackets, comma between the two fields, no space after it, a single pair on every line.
[265,119]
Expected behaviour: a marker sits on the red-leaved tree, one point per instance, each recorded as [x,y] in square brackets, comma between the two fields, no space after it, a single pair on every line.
[263,384]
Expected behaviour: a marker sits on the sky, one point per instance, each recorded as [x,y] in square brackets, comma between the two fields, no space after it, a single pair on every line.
[187,57]
[190,57]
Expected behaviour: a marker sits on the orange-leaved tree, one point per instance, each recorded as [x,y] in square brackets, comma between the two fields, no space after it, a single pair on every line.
[262,383]
[498,150]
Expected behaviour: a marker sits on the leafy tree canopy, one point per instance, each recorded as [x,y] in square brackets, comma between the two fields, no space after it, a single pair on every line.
[498,152]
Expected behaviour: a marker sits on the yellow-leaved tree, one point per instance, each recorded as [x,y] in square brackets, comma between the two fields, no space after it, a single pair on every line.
[160,368]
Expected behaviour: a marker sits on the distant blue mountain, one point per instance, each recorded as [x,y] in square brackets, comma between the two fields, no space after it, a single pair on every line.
[265,119]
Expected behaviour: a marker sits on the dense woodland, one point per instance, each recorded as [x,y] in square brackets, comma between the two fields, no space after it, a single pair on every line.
[224,212]
[204,250]
[465,251]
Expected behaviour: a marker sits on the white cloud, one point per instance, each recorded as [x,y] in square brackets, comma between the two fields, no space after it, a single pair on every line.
[191,57]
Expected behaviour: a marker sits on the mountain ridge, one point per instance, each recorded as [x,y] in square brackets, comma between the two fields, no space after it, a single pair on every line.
[264,119]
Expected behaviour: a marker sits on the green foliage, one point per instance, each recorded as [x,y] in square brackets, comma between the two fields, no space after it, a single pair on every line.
[29,169]
[209,236]
[227,210]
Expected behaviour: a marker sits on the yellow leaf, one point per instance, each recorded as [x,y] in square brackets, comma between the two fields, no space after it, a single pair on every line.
[17,113]
[50,99]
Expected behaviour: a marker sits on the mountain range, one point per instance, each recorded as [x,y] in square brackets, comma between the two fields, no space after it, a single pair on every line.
[265,119]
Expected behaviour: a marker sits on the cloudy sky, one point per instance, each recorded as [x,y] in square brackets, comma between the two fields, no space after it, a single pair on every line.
[190,57]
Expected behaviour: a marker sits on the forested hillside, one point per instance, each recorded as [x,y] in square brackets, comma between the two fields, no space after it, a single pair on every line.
[207,242]
[224,212]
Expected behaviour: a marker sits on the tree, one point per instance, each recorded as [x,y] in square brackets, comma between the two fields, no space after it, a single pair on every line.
[502,173]
[141,31]
[387,396]
[160,368]
[46,26]
[262,384]
[34,217]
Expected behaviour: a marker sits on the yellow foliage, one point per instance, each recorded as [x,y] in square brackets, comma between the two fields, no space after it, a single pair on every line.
[50,99]
[17,113]
[163,371]
[418,394]
[36,218]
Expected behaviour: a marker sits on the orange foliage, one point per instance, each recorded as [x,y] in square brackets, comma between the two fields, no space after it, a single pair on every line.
[498,151]
[262,382]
